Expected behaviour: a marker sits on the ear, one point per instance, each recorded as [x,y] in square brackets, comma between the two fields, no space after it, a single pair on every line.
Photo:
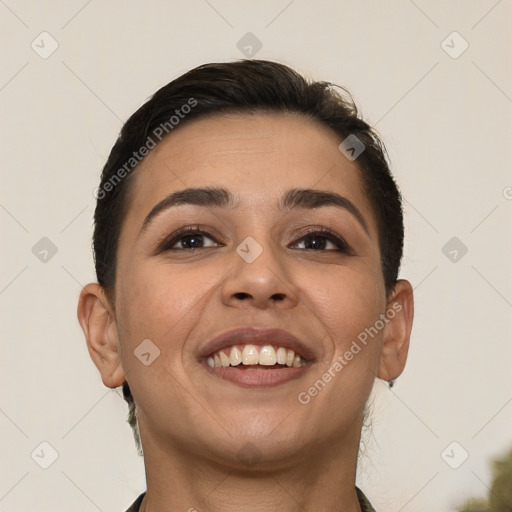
[397,333]
[97,319]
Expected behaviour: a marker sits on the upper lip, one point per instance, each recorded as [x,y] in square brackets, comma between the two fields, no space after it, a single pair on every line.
[255,336]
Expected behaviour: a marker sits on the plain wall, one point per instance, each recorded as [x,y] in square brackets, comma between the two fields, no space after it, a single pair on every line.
[447,125]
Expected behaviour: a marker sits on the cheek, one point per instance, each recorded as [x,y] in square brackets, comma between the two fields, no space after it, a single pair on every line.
[161,304]
[346,300]
[349,304]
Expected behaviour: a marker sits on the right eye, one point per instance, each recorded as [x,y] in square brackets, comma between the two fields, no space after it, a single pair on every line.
[189,239]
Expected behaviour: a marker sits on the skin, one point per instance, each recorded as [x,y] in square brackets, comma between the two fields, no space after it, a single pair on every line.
[192,424]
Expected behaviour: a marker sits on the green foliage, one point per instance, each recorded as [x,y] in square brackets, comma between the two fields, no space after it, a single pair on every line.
[474,505]
[500,497]
[500,493]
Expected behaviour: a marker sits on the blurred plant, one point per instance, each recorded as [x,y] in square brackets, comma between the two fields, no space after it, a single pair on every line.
[474,505]
[500,493]
[500,497]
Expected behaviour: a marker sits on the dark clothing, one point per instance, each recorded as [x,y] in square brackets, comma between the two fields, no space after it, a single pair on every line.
[136,504]
[365,504]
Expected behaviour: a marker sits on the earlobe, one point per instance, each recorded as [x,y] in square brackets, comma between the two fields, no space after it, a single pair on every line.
[97,320]
[397,333]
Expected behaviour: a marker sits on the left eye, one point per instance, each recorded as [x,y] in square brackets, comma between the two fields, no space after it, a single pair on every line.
[322,242]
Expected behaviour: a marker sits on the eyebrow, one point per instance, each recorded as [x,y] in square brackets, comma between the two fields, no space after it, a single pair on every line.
[220,197]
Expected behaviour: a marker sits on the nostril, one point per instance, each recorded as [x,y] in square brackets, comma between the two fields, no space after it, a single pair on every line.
[242,295]
[275,296]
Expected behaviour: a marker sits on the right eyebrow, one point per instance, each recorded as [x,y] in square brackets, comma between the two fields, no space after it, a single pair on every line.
[206,196]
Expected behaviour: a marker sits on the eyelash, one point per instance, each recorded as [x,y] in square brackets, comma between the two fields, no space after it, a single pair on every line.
[327,234]
[322,231]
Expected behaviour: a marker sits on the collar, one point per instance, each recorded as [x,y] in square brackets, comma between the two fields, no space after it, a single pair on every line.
[366,506]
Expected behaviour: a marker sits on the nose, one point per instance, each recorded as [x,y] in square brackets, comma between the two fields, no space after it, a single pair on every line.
[262,283]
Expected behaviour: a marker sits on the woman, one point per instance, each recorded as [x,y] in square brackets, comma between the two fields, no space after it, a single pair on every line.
[248,238]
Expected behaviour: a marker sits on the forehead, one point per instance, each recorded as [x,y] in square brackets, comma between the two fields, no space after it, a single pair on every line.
[257,156]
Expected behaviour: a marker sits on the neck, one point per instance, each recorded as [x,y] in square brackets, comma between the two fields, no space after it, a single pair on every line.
[324,480]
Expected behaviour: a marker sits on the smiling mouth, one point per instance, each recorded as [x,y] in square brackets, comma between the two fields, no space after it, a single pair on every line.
[256,365]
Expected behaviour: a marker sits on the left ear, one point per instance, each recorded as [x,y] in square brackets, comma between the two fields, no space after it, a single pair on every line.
[397,333]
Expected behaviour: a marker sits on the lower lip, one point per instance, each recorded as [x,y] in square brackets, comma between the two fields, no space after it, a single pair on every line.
[257,378]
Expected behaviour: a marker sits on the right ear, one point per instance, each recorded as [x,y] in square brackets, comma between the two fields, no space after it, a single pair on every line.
[97,319]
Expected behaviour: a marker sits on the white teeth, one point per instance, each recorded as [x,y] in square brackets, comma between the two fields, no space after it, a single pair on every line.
[281,355]
[250,355]
[224,359]
[290,354]
[267,355]
[297,361]
[235,357]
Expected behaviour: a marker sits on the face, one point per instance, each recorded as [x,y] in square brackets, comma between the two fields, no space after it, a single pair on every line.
[292,271]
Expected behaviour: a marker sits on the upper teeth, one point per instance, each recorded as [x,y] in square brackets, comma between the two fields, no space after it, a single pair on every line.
[249,355]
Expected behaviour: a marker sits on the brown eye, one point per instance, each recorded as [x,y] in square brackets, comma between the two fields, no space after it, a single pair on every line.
[323,240]
[189,239]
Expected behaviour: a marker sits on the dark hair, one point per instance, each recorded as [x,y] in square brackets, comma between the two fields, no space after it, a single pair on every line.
[246,86]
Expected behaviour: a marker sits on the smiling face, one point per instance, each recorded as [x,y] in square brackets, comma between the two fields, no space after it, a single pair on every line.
[250,222]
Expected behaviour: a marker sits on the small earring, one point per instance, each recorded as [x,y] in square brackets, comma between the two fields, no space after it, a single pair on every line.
[391,383]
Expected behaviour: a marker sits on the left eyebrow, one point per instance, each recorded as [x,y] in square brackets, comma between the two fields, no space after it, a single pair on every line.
[310,198]
[220,197]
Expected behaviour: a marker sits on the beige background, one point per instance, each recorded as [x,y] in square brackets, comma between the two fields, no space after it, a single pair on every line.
[447,124]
